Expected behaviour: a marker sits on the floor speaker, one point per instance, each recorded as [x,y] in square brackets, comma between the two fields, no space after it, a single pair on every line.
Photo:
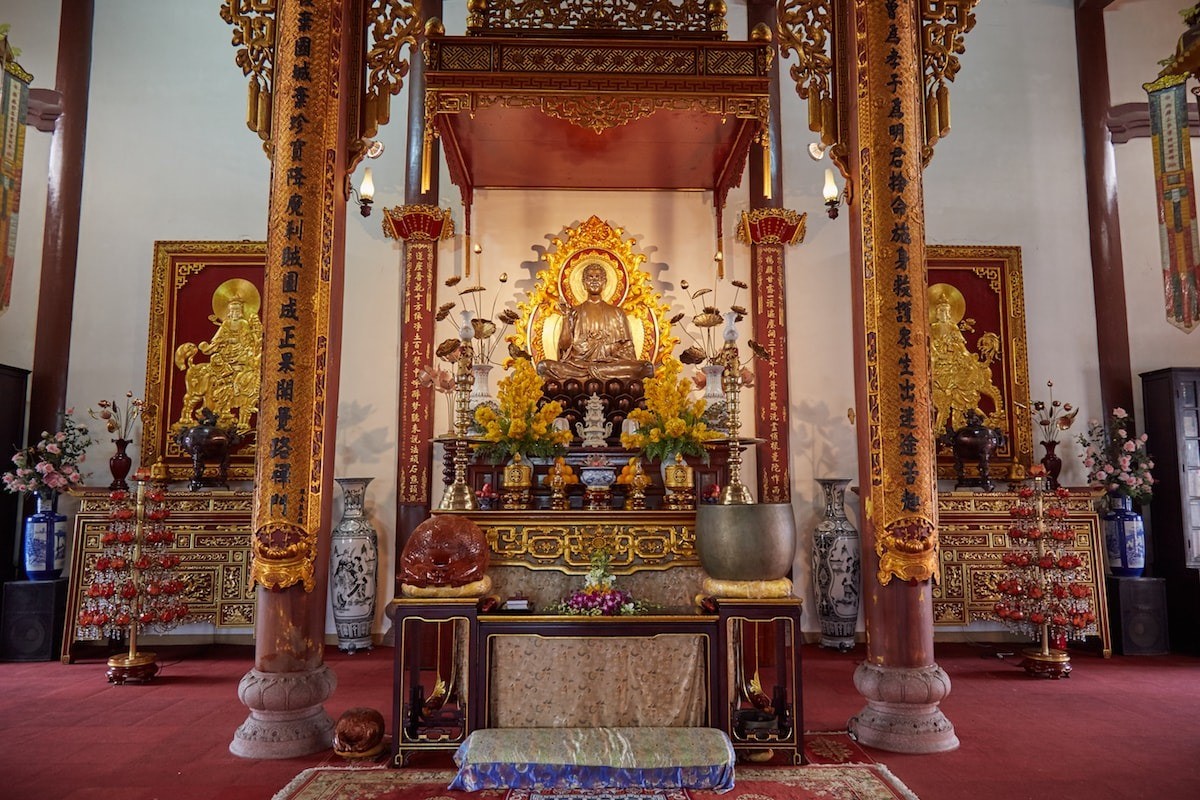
[1138,610]
[31,620]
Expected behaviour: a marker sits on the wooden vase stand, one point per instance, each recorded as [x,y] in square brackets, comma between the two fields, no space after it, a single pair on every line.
[1053,664]
[140,667]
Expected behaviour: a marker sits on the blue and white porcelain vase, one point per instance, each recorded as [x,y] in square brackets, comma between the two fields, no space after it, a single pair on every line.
[1124,537]
[837,557]
[353,563]
[45,542]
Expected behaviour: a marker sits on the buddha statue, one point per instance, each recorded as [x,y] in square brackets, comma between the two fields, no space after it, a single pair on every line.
[595,340]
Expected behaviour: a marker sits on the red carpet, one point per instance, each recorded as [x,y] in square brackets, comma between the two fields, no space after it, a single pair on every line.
[826,782]
[1118,729]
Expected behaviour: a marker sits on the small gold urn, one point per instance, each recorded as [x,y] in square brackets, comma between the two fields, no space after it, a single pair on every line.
[679,485]
[515,483]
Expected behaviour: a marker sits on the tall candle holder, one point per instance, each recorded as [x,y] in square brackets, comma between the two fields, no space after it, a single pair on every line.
[133,583]
[134,666]
[735,492]
[458,495]
[1043,596]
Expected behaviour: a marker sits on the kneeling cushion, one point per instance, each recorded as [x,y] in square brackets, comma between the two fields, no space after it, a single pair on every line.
[586,758]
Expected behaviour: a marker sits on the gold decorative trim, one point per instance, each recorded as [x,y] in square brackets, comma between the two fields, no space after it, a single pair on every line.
[806,28]
[392,25]
[18,72]
[174,264]
[416,222]
[299,375]
[1000,266]
[615,17]
[772,226]
[211,537]
[597,112]
[973,538]
[564,541]
[900,490]
[254,38]
[944,24]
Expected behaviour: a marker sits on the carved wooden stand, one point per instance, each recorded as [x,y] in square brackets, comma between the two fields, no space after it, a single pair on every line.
[426,717]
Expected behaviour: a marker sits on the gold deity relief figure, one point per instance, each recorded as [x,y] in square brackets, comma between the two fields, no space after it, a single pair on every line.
[228,382]
[593,313]
[962,379]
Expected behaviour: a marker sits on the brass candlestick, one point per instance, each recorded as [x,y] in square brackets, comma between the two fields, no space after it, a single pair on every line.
[458,495]
[135,667]
[735,492]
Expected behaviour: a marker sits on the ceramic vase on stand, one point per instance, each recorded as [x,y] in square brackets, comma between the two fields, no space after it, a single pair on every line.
[1124,537]
[353,560]
[716,410]
[119,465]
[481,390]
[1052,463]
[836,561]
[45,541]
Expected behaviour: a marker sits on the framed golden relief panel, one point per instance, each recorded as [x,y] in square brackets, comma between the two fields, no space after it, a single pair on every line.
[978,355]
[204,347]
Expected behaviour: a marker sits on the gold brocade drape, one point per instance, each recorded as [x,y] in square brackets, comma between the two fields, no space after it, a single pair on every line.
[597,681]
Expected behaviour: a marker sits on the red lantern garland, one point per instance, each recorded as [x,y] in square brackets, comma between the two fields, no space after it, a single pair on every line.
[1043,595]
[134,580]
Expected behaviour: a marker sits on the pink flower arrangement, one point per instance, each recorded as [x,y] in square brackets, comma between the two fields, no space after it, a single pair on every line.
[598,597]
[52,465]
[1116,459]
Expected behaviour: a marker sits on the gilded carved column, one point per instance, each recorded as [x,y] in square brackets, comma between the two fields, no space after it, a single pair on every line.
[420,227]
[768,231]
[899,679]
[301,314]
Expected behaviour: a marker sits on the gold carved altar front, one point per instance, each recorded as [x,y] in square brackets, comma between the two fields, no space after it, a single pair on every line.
[973,534]
[212,537]
[543,555]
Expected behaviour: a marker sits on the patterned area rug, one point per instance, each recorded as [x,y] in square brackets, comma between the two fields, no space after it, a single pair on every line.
[816,782]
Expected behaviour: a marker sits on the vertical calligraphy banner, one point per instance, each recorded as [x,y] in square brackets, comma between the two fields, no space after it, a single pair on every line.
[768,231]
[902,498]
[14,99]
[1173,182]
[301,287]
[420,227]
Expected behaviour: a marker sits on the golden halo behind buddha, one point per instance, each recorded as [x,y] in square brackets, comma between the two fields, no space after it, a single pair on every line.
[945,294]
[238,288]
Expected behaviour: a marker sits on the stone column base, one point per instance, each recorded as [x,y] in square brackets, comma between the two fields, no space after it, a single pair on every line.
[902,714]
[286,716]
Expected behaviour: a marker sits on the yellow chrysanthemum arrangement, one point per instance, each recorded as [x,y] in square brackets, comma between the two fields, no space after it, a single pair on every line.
[520,424]
[672,422]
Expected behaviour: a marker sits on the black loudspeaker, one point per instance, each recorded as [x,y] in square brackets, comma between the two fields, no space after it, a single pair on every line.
[1137,608]
[31,622]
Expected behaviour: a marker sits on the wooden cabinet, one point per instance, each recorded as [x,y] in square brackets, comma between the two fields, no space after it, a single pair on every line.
[449,669]
[212,536]
[1171,406]
[973,538]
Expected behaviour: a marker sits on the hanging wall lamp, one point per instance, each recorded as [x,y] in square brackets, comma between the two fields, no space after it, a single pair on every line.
[833,196]
[365,194]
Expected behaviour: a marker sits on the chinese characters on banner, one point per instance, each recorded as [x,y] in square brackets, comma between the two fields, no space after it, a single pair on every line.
[296,309]
[898,400]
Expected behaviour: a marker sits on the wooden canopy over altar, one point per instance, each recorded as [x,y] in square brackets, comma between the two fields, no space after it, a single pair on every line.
[632,110]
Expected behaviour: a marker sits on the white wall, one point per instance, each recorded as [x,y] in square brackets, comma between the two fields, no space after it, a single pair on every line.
[169,157]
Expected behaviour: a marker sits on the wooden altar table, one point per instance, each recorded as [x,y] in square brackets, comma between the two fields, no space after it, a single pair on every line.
[468,658]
